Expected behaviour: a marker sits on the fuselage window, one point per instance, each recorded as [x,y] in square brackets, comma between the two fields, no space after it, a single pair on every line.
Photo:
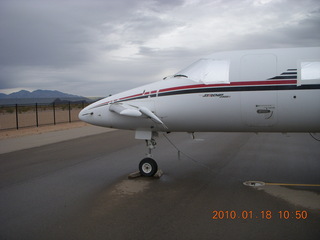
[309,72]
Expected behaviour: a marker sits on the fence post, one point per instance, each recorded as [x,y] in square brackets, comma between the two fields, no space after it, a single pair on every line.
[37,119]
[69,112]
[17,118]
[54,113]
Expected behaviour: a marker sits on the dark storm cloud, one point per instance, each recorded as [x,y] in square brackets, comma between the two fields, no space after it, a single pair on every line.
[55,33]
[303,33]
[34,35]
[90,47]
[5,79]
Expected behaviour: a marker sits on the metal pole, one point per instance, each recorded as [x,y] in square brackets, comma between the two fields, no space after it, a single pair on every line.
[17,118]
[54,113]
[69,112]
[37,119]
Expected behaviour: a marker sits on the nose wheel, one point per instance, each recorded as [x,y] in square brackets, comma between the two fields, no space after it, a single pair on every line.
[148,167]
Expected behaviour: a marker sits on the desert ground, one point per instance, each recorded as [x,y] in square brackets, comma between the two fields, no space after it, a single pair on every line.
[32,115]
[28,119]
[12,133]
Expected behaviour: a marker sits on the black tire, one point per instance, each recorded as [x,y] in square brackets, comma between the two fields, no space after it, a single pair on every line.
[148,167]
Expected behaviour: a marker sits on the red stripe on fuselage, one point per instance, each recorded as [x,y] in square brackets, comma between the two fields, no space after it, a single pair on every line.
[232,84]
[185,87]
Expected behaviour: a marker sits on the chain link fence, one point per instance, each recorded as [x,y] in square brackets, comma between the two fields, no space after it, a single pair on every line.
[15,116]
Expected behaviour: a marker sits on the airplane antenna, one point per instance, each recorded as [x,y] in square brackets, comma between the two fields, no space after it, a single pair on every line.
[186,155]
[173,145]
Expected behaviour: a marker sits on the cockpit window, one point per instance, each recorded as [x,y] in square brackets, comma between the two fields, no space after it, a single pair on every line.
[207,71]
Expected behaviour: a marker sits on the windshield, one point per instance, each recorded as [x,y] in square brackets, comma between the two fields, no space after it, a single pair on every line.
[207,71]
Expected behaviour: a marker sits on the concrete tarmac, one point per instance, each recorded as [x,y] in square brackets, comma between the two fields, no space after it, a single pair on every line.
[36,140]
[78,188]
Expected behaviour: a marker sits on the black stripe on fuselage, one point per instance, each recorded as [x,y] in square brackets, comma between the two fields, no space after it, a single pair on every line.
[280,77]
[219,89]
[227,89]
[240,89]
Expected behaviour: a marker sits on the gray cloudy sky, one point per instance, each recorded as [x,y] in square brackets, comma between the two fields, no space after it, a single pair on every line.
[101,47]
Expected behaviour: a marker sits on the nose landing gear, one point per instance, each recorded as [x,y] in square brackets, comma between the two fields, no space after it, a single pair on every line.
[148,166]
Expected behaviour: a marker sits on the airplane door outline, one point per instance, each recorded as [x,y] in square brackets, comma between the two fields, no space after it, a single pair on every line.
[259,108]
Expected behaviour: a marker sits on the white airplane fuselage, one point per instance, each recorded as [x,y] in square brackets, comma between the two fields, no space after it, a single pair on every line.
[270,90]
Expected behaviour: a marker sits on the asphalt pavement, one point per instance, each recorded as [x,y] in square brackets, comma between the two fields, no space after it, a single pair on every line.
[79,189]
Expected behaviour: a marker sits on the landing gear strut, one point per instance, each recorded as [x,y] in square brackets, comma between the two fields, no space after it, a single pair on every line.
[148,167]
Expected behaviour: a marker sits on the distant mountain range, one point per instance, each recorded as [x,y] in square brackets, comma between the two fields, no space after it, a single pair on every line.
[38,96]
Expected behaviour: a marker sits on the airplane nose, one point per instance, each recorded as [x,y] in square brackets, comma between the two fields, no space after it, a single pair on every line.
[85,114]
[97,114]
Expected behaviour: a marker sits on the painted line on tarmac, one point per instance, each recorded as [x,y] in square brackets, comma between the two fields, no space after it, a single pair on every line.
[261,184]
[293,184]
